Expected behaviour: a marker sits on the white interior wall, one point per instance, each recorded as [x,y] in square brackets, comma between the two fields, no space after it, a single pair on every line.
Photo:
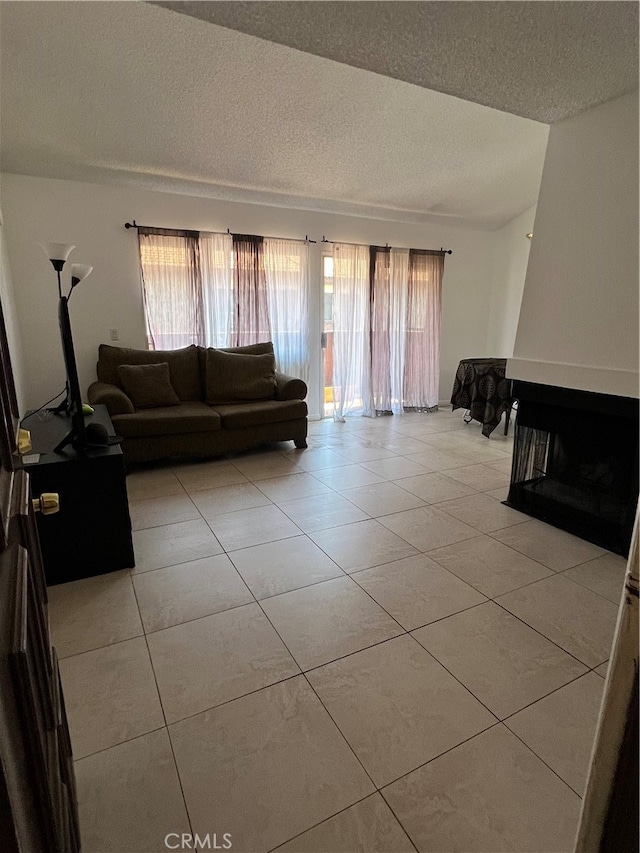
[578,324]
[511,254]
[14,337]
[92,217]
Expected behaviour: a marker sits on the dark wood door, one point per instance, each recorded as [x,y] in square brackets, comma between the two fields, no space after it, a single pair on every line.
[38,810]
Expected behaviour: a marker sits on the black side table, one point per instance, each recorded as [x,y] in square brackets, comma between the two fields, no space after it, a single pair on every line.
[91,533]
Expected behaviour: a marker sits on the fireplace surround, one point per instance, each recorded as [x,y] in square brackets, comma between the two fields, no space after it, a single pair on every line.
[575,462]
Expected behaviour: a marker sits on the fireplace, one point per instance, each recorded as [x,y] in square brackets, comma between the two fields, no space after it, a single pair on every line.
[575,462]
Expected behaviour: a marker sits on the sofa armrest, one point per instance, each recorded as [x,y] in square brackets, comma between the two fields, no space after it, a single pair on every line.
[289,388]
[112,397]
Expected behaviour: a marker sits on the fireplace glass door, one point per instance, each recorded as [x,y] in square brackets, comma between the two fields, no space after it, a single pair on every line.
[577,469]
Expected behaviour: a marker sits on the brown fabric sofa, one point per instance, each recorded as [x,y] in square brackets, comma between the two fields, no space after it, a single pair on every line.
[193,427]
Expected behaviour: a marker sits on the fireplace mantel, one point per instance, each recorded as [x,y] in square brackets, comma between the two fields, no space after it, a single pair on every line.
[609,381]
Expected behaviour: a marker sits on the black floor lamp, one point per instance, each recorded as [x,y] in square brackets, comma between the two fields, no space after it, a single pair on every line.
[71,406]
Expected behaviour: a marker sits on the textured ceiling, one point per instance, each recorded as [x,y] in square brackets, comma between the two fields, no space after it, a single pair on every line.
[130,93]
[540,60]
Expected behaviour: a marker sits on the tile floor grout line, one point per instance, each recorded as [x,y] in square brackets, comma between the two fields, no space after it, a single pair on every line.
[442,618]
[258,689]
[598,557]
[564,782]
[294,589]
[402,826]
[477,589]
[436,757]
[404,631]
[522,553]
[553,574]
[135,574]
[164,727]
[119,743]
[164,717]
[215,707]
[318,530]
[355,652]
[523,586]
[205,616]
[297,474]
[433,621]
[594,591]
[546,696]
[255,543]
[344,573]
[455,677]
[548,639]
[167,523]
[342,735]
[531,520]
[104,646]
[384,482]
[475,534]
[320,822]
[304,674]
[386,563]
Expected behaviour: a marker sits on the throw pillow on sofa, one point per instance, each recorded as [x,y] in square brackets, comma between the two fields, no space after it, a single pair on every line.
[238,377]
[148,385]
[184,370]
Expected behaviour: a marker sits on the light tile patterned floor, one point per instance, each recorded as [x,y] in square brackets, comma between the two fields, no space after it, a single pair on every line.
[354,648]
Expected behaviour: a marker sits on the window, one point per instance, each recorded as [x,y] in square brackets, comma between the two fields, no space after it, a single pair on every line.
[196,283]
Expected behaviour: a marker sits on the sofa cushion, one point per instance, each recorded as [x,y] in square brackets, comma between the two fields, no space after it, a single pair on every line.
[260,412]
[263,348]
[234,377]
[249,349]
[168,420]
[148,385]
[183,364]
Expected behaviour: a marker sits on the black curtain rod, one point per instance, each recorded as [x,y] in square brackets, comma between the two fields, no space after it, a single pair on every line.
[134,224]
[307,239]
[386,246]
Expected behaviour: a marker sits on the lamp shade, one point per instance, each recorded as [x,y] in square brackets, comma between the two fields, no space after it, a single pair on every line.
[57,251]
[79,272]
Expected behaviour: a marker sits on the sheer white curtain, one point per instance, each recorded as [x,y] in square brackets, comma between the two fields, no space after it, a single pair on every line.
[172,288]
[389,281]
[216,251]
[286,264]
[351,335]
[218,290]
[398,313]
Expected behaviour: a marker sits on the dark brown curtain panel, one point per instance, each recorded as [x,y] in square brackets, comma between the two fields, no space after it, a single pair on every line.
[422,342]
[172,287]
[251,320]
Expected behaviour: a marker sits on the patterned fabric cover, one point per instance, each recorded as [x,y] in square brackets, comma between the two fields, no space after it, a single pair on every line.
[480,387]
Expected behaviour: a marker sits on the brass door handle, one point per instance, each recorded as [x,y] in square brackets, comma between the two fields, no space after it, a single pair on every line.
[24,441]
[48,503]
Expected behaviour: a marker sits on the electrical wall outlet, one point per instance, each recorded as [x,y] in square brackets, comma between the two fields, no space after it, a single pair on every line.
[113,334]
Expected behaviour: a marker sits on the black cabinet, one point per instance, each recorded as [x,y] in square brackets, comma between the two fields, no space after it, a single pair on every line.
[91,533]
